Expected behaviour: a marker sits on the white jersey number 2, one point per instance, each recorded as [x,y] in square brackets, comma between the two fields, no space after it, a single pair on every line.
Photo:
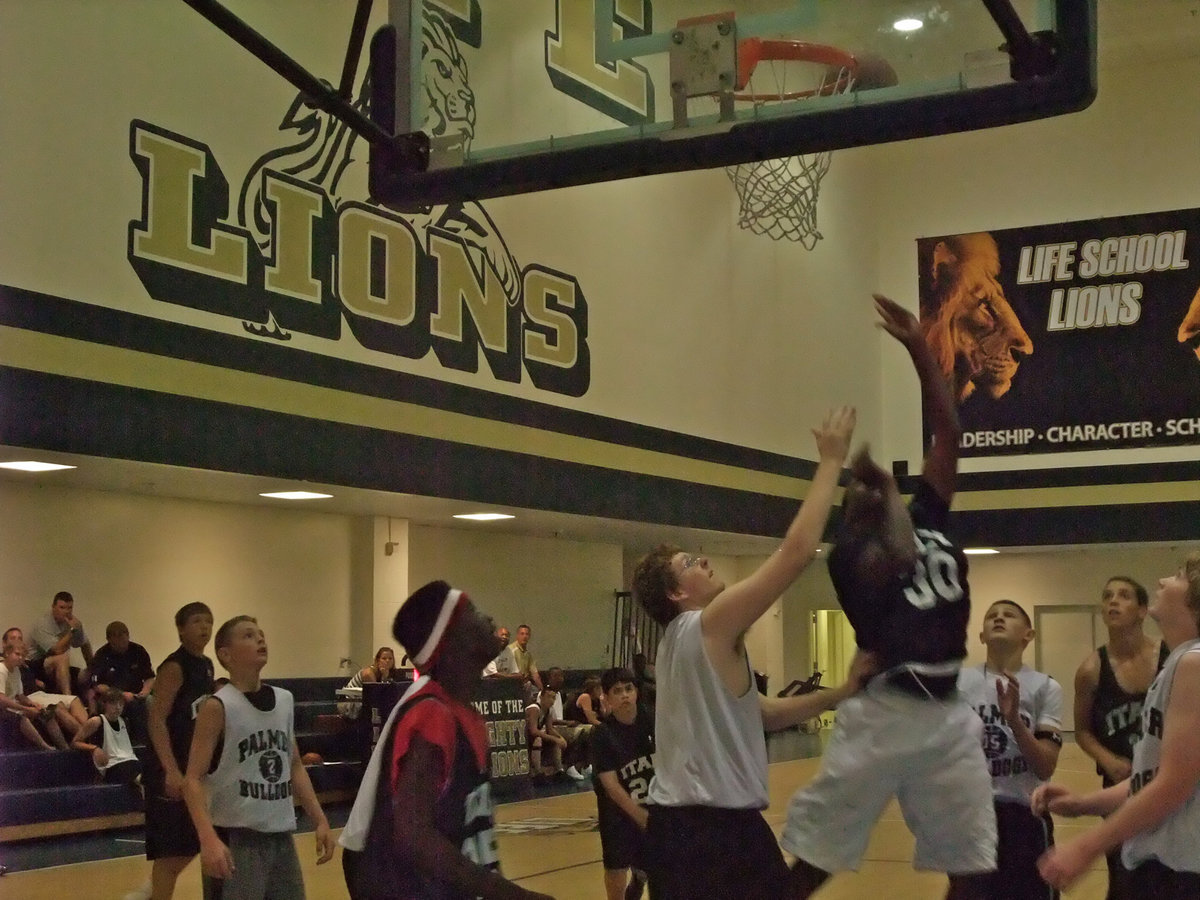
[935,579]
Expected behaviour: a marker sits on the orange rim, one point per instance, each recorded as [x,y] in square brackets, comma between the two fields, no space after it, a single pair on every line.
[752,51]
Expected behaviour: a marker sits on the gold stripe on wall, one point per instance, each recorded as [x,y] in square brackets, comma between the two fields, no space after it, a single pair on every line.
[1079,495]
[56,355]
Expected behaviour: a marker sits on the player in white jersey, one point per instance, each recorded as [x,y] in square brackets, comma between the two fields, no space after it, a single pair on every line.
[1021,711]
[1155,812]
[244,777]
[706,833]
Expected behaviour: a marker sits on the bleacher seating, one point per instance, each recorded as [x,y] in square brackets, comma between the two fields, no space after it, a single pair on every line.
[46,793]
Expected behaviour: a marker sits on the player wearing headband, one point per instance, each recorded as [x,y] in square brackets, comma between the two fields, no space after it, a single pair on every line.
[421,826]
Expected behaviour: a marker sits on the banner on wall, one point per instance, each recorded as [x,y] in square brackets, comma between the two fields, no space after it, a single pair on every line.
[1068,337]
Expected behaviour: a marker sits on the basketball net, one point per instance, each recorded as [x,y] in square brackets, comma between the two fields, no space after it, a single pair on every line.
[778,197]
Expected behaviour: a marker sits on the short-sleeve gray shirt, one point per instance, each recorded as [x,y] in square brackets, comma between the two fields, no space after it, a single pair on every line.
[46,632]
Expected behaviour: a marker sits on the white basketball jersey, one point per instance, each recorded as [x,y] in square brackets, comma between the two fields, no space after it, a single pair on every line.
[252,784]
[1175,841]
[1040,709]
[116,742]
[712,750]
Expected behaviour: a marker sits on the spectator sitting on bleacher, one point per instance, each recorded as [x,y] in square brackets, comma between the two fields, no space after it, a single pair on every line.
[505,664]
[587,706]
[523,656]
[50,643]
[65,709]
[21,718]
[546,745]
[106,737]
[123,667]
[382,669]
[570,722]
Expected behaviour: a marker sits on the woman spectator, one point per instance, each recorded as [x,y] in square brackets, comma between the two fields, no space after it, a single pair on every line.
[586,707]
[382,669]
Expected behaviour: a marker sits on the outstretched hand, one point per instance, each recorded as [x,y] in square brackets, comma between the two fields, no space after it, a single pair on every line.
[898,321]
[833,437]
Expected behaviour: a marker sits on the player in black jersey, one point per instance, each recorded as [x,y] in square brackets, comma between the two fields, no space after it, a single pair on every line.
[421,827]
[183,679]
[1110,688]
[623,760]
[903,585]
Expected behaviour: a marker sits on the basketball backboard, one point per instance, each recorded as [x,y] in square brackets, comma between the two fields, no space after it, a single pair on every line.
[525,95]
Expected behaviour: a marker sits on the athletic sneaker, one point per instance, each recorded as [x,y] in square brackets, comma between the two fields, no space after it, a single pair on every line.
[575,775]
[141,893]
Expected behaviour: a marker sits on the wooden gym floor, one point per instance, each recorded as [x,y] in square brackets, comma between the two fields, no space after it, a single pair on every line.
[550,845]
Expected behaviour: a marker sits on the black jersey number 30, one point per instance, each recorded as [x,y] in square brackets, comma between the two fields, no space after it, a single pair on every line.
[935,579]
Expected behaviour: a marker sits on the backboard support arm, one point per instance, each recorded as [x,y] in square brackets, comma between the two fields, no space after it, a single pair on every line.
[1032,54]
[412,149]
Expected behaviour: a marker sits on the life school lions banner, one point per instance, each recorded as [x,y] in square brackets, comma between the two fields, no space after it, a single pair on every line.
[1068,337]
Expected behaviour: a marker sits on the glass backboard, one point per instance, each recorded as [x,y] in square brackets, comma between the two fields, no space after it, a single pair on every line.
[525,95]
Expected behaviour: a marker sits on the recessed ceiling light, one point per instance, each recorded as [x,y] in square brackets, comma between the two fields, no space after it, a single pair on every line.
[32,466]
[980,551]
[908,24]
[484,517]
[296,495]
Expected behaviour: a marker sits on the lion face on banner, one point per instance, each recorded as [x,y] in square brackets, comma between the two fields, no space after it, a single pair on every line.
[1189,328]
[969,324]
[449,98]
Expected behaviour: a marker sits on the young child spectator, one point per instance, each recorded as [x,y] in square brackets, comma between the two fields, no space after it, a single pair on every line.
[1022,720]
[422,824]
[124,667]
[181,680]
[21,720]
[242,806]
[106,738]
[65,710]
[623,758]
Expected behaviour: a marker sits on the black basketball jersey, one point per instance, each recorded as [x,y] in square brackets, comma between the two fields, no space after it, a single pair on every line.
[627,750]
[181,720]
[920,617]
[462,814]
[1116,716]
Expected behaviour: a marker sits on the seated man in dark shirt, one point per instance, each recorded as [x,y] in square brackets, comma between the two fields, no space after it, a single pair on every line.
[123,666]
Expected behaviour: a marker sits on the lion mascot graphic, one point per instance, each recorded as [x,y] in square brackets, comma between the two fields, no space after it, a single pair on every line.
[1189,328]
[969,324]
[324,152]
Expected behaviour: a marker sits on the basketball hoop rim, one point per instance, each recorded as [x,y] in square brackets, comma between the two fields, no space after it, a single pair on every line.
[752,51]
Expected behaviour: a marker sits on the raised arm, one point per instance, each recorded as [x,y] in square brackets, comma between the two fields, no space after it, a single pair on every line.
[937,403]
[1039,745]
[739,606]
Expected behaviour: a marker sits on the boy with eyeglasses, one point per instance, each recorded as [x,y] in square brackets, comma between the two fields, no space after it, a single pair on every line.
[709,788]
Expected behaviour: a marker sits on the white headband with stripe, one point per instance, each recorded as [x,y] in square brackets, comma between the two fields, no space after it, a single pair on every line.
[429,650]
